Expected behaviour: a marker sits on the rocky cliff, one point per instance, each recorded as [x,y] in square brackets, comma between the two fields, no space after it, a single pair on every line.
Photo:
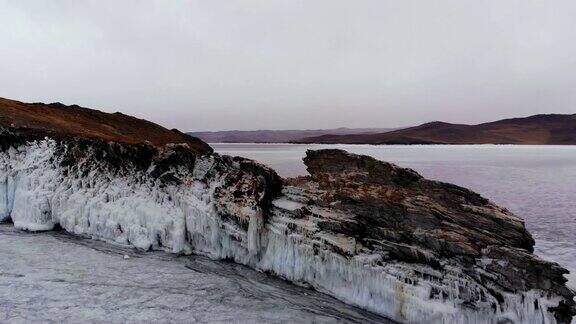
[367,232]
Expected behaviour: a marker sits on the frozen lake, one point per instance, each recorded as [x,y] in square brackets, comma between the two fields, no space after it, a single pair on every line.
[55,277]
[537,183]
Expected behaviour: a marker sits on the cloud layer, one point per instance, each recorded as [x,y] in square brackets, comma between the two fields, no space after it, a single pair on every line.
[254,64]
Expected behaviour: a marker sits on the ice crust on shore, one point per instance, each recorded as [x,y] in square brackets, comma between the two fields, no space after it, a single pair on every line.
[132,208]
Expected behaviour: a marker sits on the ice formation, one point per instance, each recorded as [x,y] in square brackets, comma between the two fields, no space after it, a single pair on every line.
[232,208]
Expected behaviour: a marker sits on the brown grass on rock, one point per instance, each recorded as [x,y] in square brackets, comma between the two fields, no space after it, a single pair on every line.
[62,121]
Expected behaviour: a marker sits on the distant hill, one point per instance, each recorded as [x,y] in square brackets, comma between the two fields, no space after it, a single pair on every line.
[278,136]
[62,121]
[537,129]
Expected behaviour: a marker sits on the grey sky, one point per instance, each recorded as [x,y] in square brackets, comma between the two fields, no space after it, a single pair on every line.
[255,64]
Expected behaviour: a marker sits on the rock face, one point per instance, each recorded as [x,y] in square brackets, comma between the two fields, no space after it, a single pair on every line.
[397,216]
[367,232]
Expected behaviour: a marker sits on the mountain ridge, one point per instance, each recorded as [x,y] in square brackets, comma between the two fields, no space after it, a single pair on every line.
[277,136]
[541,129]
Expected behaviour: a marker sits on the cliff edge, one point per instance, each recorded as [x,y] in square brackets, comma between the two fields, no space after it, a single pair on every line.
[365,231]
[60,121]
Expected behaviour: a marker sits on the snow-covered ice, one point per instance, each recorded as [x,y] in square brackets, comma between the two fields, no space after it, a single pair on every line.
[52,276]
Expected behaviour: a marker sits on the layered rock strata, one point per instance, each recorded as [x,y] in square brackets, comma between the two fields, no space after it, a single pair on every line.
[367,232]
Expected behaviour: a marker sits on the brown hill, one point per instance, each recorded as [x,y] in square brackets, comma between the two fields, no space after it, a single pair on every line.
[538,129]
[278,136]
[59,120]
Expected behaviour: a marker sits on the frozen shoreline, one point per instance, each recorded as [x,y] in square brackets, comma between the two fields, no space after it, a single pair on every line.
[54,275]
[218,206]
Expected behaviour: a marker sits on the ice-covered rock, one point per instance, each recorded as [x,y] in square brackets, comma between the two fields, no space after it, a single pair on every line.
[367,232]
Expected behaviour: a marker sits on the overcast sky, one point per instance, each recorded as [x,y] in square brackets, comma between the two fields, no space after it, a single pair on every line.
[277,64]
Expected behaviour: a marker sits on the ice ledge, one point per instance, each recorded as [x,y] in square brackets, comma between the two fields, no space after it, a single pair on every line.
[216,207]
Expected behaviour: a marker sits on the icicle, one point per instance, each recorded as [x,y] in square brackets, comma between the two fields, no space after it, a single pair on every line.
[132,209]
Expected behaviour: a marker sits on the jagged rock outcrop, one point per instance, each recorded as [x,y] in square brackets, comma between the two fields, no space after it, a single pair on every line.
[396,216]
[367,232]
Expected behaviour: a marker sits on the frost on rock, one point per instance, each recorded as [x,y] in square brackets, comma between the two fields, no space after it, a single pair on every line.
[398,246]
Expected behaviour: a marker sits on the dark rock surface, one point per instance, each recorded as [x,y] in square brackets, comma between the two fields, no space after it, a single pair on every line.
[408,218]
